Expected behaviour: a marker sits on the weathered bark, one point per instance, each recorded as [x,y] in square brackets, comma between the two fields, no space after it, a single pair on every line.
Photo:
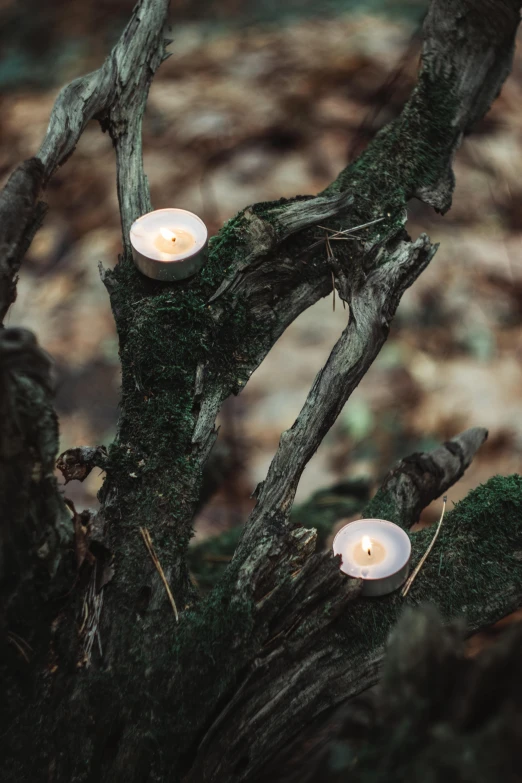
[21,215]
[436,715]
[408,488]
[36,529]
[420,478]
[35,526]
[284,635]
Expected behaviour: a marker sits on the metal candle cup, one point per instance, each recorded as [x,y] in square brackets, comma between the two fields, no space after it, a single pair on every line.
[376,551]
[153,235]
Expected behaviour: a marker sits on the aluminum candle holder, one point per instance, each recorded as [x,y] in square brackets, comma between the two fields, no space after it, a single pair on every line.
[376,551]
[169,244]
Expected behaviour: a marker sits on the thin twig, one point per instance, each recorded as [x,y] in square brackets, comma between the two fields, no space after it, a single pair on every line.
[329,252]
[22,641]
[98,638]
[330,256]
[85,610]
[90,628]
[341,233]
[335,234]
[148,543]
[11,638]
[354,228]
[411,579]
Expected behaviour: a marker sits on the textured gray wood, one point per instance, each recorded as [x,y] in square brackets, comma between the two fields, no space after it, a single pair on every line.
[20,217]
[371,309]
[118,90]
[437,715]
[339,653]
[420,478]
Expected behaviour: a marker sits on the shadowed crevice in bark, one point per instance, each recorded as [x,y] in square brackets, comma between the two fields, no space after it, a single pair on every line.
[36,530]
[434,713]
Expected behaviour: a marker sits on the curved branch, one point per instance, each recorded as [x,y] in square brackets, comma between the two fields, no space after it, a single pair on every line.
[467,55]
[20,217]
[109,92]
[420,478]
[371,309]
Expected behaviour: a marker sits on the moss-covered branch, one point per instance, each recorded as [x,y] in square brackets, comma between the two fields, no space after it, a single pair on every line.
[473,572]
[405,492]
[420,478]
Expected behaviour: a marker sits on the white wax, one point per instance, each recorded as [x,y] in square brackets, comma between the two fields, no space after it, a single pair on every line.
[393,540]
[145,231]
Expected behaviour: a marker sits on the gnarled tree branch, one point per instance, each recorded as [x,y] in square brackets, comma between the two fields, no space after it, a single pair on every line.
[328,653]
[420,478]
[124,77]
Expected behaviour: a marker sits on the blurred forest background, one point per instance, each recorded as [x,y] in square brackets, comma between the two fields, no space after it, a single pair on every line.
[263,99]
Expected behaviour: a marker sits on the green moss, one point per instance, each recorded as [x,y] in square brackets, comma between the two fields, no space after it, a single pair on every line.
[471,570]
[166,331]
[383,506]
[410,153]
[214,642]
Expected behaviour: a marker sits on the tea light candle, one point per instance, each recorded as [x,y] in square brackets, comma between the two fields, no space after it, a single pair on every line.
[376,551]
[169,244]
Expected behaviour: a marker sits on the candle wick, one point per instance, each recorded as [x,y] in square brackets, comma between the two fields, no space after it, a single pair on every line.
[369,552]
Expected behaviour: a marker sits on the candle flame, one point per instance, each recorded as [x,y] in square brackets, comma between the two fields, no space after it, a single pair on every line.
[166,234]
[367,544]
